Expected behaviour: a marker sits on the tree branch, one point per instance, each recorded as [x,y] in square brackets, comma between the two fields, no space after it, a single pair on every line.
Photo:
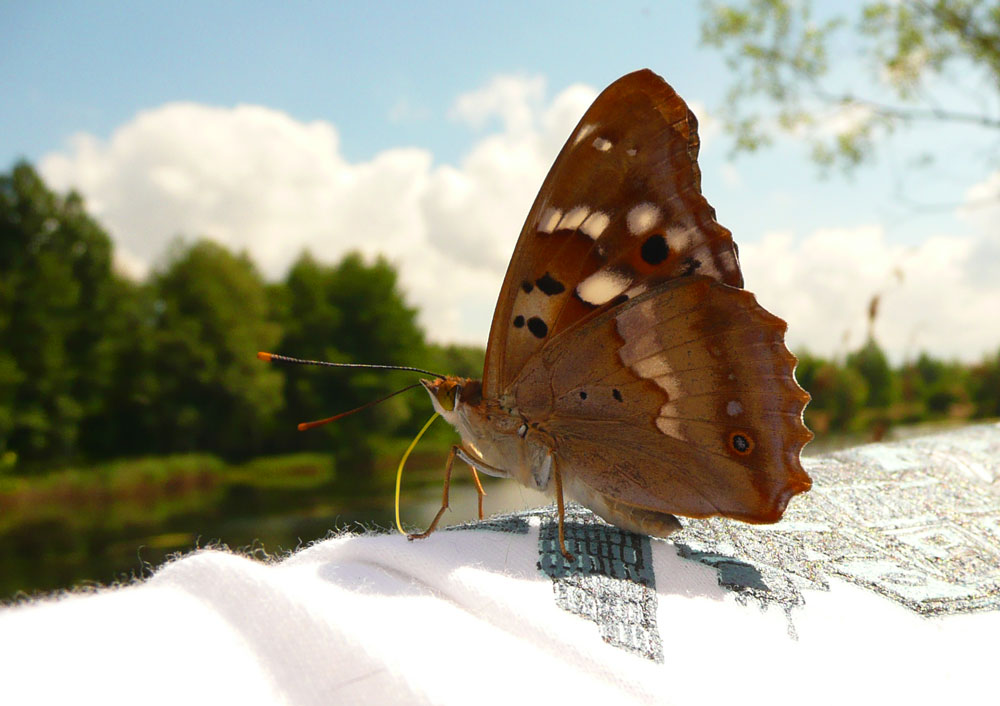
[913,113]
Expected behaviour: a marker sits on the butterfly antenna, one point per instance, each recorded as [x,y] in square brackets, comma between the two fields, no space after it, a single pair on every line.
[275,358]
[320,422]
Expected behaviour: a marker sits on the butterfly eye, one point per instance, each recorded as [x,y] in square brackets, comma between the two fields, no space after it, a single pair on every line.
[448,396]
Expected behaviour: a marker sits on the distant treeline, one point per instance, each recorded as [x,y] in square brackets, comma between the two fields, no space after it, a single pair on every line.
[865,394]
[94,365]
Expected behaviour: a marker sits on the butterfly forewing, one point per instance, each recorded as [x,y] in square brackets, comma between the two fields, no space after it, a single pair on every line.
[619,213]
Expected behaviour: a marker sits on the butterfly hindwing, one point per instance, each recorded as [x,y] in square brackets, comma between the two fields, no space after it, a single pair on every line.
[698,415]
[619,213]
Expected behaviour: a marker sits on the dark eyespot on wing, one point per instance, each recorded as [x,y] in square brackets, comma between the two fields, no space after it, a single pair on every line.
[617,394]
[527,286]
[741,442]
[550,285]
[518,321]
[538,327]
[583,395]
[654,250]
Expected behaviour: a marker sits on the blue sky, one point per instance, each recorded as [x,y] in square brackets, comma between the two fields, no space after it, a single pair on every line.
[381,85]
[92,66]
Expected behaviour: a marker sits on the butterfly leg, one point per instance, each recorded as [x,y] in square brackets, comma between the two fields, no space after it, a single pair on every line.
[475,465]
[444,500]
[562,510]
[479,490]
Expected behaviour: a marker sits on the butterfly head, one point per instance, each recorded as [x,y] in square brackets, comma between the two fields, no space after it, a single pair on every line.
[444,394]
[448,394]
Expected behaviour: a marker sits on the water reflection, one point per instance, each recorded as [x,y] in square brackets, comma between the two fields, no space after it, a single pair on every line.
[114,532]
[50,554]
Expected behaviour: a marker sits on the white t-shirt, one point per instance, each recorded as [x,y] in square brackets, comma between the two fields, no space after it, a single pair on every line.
[881,585]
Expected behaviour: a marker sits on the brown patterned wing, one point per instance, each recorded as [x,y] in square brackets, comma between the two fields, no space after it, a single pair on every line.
[620,212]
[682,400]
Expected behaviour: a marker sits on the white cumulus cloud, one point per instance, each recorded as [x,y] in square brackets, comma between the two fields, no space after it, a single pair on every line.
[256,179]
[821,284]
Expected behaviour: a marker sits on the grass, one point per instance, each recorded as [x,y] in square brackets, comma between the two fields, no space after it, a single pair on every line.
[106,521]
[147,490]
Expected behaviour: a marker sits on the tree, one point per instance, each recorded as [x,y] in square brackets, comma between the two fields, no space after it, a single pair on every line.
[458,360]
[985,384]
[210,315]
[124,423]
[838,394]
[781,50]
[58,301]
[872,365]
[351,312]
[941,385]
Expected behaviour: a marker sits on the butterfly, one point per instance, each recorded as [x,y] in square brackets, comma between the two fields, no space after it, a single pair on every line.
[627,368]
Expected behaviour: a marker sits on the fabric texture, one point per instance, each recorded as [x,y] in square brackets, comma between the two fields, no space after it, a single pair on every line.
[882,584]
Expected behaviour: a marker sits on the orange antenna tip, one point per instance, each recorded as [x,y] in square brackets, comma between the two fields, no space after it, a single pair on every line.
[266,357]
[320,422]
[303,426]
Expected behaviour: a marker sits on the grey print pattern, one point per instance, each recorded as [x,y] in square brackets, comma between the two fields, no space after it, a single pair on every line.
[609,582]
[916,521]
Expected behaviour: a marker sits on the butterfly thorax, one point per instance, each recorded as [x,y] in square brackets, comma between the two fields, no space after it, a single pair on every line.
[499,439]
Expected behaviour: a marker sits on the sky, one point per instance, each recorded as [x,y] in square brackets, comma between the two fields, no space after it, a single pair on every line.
[422,132]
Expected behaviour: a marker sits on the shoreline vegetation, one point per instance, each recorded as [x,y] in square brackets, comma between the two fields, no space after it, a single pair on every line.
[136,421]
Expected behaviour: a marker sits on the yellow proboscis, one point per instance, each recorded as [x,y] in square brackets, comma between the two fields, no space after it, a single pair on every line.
[402,462]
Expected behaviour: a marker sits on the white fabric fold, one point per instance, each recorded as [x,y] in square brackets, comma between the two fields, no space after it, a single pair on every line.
[468,616]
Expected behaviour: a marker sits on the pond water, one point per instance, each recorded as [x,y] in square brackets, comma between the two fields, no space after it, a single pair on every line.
[49,555]
[68,547]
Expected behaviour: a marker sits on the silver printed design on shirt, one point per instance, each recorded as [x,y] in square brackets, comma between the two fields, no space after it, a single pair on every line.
[916,521]
[609,582]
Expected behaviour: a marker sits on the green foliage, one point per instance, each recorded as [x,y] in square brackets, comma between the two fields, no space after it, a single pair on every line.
[95,366]
[131,485]
[934,387]
[912,40]
[779,50]
[838,394]
[866,395]
[126,423]
[351,312]
[300,470]
[60,306]
[985,387]
[210,314]
[873,367]
[460,361]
